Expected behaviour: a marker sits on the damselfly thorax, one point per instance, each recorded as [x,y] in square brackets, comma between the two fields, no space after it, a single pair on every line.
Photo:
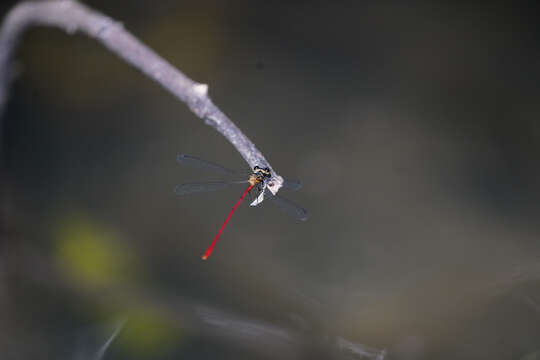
[259,175]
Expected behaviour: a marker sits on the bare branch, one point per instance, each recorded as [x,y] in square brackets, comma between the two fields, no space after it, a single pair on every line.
[72,16]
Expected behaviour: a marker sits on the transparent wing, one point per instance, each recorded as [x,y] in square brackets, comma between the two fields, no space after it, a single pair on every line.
[195,162]
[206,165]
[189,188]
[288,207]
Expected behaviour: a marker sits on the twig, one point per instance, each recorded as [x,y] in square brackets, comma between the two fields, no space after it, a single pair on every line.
[72,16]
[117,329]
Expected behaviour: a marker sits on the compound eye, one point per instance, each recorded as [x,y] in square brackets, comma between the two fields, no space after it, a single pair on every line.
[267,169]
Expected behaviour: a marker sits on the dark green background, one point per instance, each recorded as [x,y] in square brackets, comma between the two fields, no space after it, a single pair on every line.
[413,126]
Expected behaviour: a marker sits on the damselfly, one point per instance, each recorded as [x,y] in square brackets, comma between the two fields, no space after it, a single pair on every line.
[257,180]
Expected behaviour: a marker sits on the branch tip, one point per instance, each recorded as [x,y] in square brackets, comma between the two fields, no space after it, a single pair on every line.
[200,89]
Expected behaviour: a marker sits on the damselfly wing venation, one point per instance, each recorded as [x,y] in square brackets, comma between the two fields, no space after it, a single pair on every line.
[256,179]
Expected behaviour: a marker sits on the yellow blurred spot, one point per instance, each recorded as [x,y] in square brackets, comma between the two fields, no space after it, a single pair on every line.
[148,332]
[91,254]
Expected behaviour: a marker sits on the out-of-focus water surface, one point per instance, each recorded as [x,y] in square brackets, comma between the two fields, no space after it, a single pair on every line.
[414,128]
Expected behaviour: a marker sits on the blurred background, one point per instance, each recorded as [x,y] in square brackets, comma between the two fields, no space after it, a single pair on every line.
[413,127]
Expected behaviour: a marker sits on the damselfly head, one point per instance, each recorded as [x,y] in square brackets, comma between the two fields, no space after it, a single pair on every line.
[262,172]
